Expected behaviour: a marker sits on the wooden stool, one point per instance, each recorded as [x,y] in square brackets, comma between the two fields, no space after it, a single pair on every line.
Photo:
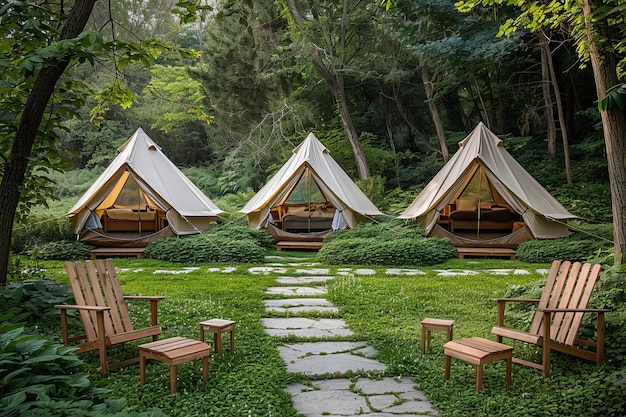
[174,351]
[217,327]
[479,352]
[434,325]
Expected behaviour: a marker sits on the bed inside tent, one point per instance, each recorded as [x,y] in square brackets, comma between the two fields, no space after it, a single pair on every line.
[477,211]
[126,215]
[303,209]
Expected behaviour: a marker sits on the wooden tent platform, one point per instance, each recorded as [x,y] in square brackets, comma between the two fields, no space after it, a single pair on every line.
[117,252]
[298,245]
[486,252]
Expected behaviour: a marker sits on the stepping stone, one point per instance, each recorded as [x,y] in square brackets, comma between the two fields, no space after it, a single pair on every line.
[404,271]
[303,280]
[313,271]
[320,358]
[389,397]
[297,305]
[359,271]
[304,327]
[291,291]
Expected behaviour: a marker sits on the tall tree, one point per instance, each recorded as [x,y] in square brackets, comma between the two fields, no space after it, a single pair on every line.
[333,32]
[44,80]
[591,28]
[39,42]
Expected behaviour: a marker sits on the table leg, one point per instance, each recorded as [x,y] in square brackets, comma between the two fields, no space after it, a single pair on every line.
[173,379]
[479,377]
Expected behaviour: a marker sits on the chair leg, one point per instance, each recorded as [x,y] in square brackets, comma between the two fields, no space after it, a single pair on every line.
[546,344]
[142,370]
[102,343]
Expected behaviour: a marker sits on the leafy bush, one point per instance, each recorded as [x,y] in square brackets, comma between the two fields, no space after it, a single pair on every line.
[387,229]
[64,250]
[38,230]
[242,232]
[587,200]
[205,248]
[32,301]
[42,378]
[571,249]
[387,244]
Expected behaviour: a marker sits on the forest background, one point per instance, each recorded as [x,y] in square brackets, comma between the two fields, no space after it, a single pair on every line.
[390,91]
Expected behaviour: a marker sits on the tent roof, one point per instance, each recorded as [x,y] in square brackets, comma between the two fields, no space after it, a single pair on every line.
[144,159]
[312,153]
[483,147]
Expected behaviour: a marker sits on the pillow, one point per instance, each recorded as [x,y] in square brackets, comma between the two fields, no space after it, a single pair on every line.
[469,204]
[486,205]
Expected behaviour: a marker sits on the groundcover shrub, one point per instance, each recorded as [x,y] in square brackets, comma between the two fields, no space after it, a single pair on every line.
[43,378]
[38,230]
[386,244]
[31,303]
[586,242]
[64,250]
[205,248]
[242,232]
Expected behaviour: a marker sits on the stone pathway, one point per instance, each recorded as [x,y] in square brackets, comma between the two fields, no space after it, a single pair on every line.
[338,396]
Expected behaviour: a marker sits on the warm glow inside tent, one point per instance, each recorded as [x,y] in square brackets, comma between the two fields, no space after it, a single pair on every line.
[141,195]
[483,191]
[310,193]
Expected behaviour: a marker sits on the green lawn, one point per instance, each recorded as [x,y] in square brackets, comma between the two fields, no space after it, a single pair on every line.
[383,310]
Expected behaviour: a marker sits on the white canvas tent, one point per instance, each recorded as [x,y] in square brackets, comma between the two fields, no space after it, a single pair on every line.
[482,153]
[311,165]
[141,176]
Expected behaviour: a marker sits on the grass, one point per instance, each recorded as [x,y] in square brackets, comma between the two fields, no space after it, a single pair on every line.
[383,310]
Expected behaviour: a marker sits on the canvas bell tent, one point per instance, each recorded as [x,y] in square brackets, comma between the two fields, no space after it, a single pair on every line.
[310,193]
[483,194]
[141,196]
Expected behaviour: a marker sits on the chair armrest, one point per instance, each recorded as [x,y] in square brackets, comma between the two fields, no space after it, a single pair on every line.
[516,300]
[75,307]
[144,297]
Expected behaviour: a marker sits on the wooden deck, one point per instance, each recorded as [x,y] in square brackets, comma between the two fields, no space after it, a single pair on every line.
[298,245]
[486,252]
[117,252]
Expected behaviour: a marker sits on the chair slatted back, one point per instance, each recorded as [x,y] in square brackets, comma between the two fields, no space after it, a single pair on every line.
[98,285]
[569,286]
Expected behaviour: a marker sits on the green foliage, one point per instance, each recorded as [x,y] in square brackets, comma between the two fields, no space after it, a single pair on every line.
[31,302]
[242,232]
[64,250]
[547,250]
[374,188]
[390,243]
[42,378]
[36,230]
[205,247]
[587,242]
[587,200]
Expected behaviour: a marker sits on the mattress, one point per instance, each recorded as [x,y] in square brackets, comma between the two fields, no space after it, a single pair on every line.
[127,214]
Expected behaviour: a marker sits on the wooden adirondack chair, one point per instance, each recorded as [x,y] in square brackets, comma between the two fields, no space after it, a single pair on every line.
[562,304]
[103,310]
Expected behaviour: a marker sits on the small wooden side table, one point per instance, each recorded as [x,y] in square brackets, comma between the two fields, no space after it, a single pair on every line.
[217,327]
[478,351]
[433,325]
[174,351]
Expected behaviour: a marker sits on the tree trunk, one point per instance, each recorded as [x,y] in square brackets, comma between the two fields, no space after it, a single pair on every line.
[335,82]
[434,113]
[559,109]
[614,127]
[36,102]
[547,93]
